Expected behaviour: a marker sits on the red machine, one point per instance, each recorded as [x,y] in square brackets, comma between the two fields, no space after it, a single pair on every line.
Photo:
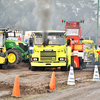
[73,36]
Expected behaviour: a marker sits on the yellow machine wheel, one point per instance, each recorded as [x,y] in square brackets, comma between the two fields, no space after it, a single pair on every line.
[11,57]
[14,56]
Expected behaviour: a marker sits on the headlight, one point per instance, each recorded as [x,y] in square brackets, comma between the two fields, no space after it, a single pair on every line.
[34,59]
[61,59]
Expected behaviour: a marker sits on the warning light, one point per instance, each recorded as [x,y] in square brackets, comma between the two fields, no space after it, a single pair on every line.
[63,20]
[7,27]
[81,21]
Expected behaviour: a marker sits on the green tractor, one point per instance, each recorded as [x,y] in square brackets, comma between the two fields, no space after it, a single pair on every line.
[17,51]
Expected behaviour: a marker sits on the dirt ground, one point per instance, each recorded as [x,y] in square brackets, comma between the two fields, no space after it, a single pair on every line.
[37,82]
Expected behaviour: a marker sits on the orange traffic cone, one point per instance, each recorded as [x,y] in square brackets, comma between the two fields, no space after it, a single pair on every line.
[16,88]
[52,81]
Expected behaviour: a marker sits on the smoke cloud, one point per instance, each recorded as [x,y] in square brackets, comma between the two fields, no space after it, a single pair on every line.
[43,13]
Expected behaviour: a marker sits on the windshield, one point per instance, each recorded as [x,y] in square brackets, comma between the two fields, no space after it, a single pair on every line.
[87,46]
[56,39]
[53,39]
[72,32]
[1,40]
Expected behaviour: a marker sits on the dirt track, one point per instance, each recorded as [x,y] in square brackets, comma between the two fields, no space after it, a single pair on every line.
[37,82]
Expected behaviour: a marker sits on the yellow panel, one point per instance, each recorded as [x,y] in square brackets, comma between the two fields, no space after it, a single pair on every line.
[78,47]
[1,31]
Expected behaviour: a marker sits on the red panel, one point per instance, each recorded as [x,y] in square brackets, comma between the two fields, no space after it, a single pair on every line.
[73,25]
[99,55]
[78,49]
[76,61]
[76,38]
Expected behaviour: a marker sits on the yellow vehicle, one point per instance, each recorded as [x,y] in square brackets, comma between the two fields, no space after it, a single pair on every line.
[50,50]
[3,53]
[89,49]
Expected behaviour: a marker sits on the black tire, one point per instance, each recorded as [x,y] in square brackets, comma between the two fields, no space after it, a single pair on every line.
[17,54]
[64,68]
[0,66]
[20,57]
[4,66]
[41,68]
[68,67]
[29,66]
[84,65]
[80,67]
[33,68]
[29,62]
[80,63]
[93,60]
[97,62]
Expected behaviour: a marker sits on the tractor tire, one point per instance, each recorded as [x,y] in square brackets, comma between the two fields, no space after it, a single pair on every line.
[14,56]
[19,56]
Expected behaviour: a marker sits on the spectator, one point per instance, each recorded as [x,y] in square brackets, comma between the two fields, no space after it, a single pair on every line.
[19,38]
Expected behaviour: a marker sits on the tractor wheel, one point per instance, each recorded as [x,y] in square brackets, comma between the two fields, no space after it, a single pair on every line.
[19,56]
[14,56]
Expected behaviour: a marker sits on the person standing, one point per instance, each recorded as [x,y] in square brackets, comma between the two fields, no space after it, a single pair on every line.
[19,38]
